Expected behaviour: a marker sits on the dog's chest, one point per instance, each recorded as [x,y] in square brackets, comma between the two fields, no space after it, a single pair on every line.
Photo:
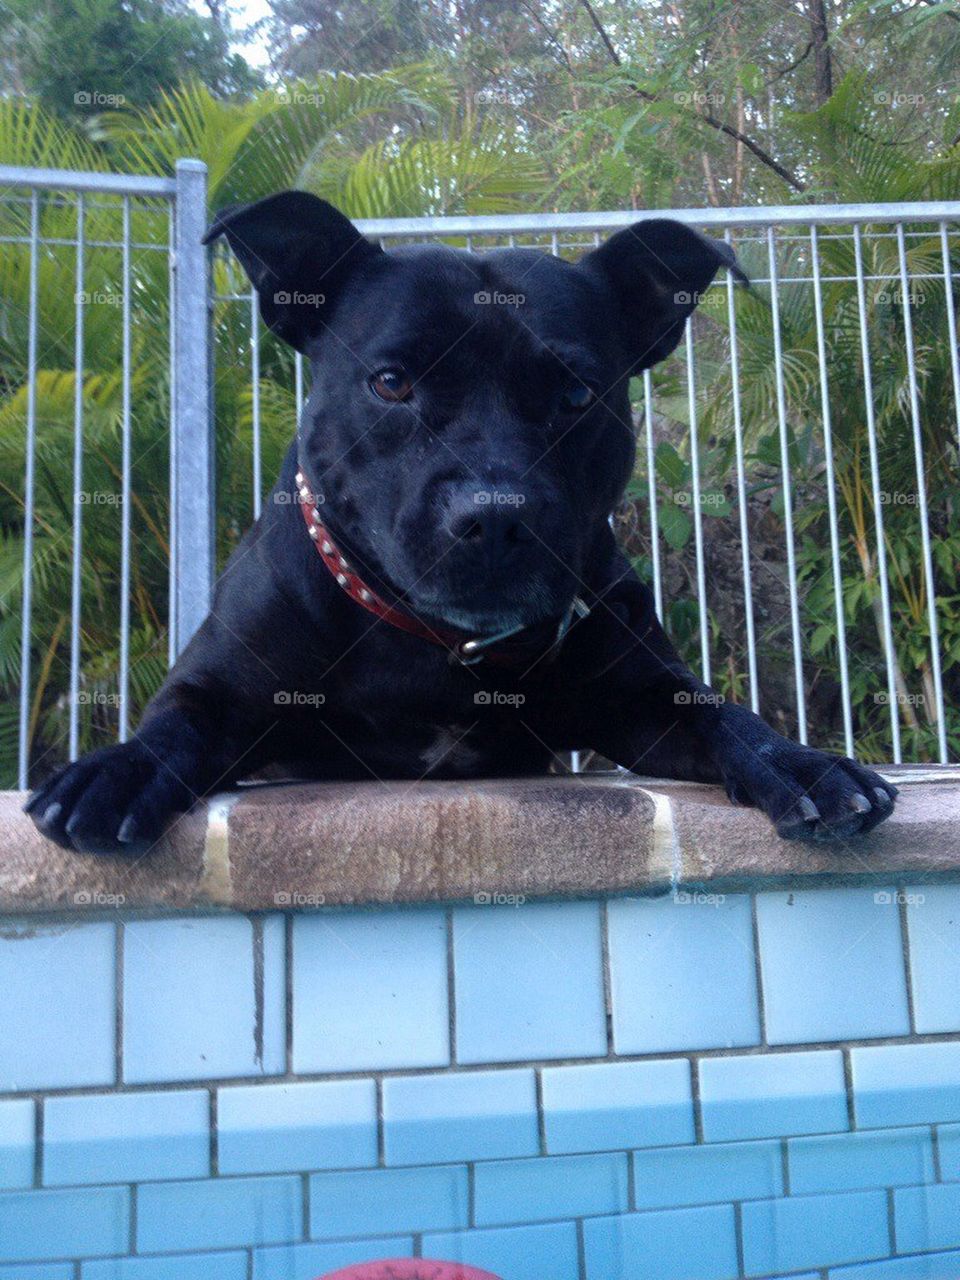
[451,752]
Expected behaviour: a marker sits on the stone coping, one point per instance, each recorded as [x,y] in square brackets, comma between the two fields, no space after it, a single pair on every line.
[303,845]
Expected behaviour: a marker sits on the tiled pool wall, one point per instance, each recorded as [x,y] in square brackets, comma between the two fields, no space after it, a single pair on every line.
[692,1087]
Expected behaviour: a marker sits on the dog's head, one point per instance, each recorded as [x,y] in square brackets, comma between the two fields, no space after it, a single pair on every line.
[468,422]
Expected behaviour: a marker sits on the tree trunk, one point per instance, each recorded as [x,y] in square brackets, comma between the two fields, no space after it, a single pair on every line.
[822,61]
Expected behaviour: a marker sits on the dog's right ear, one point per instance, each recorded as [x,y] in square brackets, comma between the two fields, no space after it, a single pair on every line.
[298,251]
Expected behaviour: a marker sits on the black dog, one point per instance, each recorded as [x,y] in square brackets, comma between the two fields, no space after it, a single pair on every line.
[434,590]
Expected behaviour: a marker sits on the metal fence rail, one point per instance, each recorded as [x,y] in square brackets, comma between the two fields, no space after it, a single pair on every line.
[806,406]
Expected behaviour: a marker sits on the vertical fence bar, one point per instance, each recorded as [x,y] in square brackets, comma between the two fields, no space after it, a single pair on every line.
[126,488]
[885,616]
[171,293]
[23,743]
[951,323]
[787,489]
[255,404]
[922,498]
[298,385]
[697,510]
[831,495]
[742,492]
[652,492]
[193,491]
[76,577]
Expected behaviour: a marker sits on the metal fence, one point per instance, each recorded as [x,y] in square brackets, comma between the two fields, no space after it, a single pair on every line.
[804,439]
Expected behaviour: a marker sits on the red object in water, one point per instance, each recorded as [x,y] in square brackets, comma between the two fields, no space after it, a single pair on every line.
[410,1269]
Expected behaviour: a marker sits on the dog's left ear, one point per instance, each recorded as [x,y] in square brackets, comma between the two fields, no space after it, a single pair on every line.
[658,271]
[299,251]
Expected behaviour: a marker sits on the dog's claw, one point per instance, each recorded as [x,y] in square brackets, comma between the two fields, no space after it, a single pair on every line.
[50,816]
[859,803]
[884,800]
[128,830]
[809,810]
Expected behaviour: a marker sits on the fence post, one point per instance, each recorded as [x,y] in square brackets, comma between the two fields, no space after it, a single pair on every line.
[192,480]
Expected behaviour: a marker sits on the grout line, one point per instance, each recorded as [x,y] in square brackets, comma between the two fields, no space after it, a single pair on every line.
[471,1193]
[738,1236]
[451,987]
[848,1088]
[758,971]
[214,1133]
[119,954]
[606,974]
[785,1162]
[891,1221]
[907,961]
[541,1114]
[134,1219]
[631,1183]
[381,1128]
[418,1244]
[305,1192]
[937,1156]
[697,1103]
[288,959]
[259,994]
[581,1250]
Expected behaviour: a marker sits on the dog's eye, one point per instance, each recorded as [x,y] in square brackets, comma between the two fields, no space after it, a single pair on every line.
[392,385]
[578,398]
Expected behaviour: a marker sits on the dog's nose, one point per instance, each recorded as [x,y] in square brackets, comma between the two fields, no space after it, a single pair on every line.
[489,520]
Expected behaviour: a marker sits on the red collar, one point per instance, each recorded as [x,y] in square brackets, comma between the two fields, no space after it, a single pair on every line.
[462,647]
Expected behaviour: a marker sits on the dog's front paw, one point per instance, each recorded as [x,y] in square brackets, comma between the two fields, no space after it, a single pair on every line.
[810,795]
[114,801]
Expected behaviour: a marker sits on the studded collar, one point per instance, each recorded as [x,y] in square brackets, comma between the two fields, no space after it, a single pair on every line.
[508,648]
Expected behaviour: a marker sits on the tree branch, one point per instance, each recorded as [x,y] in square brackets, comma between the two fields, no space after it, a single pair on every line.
[707,117]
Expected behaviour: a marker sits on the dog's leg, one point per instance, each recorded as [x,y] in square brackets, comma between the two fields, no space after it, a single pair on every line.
[648,712]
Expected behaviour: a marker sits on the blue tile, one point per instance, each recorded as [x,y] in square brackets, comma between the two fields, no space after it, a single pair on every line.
[679,1244]
[547,1252]
[377,1201]
[771,1095]
[845,942]
[615,1105]
[529,982]
[59,1014]
[664,1177]
[197,1266]
[126,1137]
[276,1128]
[189,1005]
[933,1266]
[17,1130]
[948,1144]
[47,1271]
[476,1115]
[851,1161]
[906,1084]
[218,1213]
[549,1187]
[682,974]
[814,1231]
[274,1057]
[926,1218]
[299,1261]
[64,1224]
[933,929]
[370,990]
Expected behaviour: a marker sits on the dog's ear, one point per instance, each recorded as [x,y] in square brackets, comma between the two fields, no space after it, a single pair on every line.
[658,271]
[298,251]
